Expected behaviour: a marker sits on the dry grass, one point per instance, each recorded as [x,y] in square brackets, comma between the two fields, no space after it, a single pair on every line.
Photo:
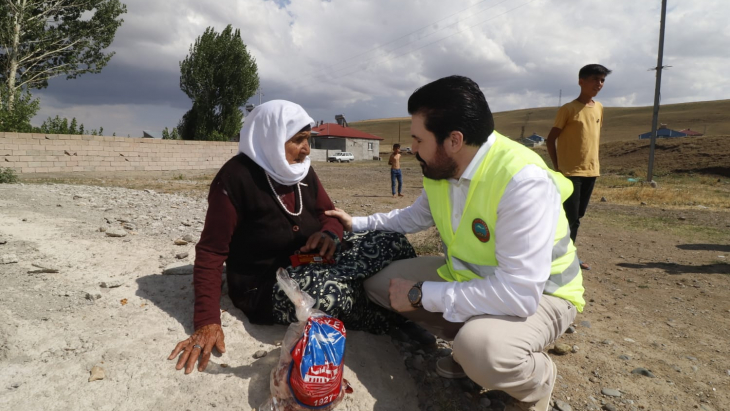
[621,123]
[673,191]
[663,225]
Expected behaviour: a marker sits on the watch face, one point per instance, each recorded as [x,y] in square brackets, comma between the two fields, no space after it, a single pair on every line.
[414,295]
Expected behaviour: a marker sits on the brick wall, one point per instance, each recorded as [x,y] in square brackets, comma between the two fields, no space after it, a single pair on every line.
[50,153]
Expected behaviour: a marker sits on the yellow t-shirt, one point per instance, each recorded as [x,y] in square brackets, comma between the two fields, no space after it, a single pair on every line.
[579,138]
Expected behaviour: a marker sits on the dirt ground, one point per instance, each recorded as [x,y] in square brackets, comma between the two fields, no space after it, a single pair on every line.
[657,298]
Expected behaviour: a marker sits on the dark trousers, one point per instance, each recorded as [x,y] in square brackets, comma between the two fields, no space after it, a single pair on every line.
[396,175]
[575,206]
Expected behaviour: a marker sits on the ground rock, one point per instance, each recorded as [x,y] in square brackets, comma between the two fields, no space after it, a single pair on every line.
[97,373]
[180,256]
[110,284]
[42,269]
[180,241]
[562,406]
[178,269]
[562,349]
[116,233]
[259,354]
[644,372]
[611,392]
[8,259]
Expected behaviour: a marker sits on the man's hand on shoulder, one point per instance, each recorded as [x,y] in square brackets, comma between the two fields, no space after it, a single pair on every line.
[344,218]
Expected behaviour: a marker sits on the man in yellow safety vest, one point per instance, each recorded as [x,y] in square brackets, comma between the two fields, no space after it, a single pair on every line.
[509,283]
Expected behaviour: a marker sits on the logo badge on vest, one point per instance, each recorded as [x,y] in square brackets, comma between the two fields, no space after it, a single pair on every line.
[480,229]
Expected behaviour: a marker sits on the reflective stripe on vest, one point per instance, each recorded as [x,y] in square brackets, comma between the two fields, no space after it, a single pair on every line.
[469,249]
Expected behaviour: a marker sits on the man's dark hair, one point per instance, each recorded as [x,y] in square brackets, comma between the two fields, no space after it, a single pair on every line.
[592,70]
[453,103]
[396,145]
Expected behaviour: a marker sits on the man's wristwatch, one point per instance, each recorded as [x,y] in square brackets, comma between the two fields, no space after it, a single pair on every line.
[415,294]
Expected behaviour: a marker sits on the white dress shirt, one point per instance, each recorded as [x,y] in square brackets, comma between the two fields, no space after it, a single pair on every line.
[527,217]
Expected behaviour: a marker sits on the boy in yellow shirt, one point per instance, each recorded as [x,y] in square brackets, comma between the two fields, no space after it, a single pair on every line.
[577,130]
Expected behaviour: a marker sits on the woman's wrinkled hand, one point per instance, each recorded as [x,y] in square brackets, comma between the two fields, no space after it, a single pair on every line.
[200,343]
[322,242]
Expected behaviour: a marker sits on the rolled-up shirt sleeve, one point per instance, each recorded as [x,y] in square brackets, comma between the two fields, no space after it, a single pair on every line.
[527,217]
[412,219]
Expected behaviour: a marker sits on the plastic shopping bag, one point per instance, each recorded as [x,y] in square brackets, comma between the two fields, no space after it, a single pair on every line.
[309,373]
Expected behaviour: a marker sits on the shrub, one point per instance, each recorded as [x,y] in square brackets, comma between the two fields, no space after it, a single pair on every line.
[8,176]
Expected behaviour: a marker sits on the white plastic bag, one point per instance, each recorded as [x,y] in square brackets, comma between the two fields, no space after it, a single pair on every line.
[309,373]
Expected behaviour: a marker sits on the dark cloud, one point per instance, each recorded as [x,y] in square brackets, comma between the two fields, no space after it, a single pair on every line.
[118,84]
[363,59]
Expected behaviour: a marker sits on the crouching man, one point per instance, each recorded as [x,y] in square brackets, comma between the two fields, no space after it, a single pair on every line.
[510,283]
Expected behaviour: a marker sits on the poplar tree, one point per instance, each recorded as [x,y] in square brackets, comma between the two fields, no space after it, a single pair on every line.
[41,39]
[219,75]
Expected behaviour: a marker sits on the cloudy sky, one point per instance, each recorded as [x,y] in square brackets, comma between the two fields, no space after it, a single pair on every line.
[363,58]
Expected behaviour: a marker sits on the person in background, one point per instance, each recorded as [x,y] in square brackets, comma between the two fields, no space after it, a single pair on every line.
[577,130]
[265,206]
[509,283]
[395,173]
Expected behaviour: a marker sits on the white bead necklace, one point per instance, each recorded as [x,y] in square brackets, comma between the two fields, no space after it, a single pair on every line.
[301,203]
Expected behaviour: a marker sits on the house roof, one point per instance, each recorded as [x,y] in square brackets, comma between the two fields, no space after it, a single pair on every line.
[336,130]
[690,132]
[663,132]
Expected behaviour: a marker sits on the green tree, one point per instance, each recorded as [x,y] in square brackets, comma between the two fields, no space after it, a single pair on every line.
[219,75]
[16,118]
[170,135]
[41,39]
[60,125]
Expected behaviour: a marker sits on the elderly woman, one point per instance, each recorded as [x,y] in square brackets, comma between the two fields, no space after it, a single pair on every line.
[265,205]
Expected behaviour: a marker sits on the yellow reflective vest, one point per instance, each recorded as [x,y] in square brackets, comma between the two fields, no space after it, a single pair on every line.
[473,241]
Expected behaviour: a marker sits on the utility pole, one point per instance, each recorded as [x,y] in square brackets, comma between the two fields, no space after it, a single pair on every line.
[657,93]
[260,93]
[560,99]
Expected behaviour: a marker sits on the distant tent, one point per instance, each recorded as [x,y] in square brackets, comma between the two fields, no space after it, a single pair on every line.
[537,138]
[663,132]
[151,134]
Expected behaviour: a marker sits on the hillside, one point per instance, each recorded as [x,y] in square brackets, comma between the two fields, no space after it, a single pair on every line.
[699,155]
[621,123]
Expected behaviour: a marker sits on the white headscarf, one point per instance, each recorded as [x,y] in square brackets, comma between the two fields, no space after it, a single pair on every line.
[264,133]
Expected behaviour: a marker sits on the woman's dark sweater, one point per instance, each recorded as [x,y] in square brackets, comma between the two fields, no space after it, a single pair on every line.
[246,227]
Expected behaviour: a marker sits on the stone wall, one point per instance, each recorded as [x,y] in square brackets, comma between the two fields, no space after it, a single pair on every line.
[60,153]
[49,153]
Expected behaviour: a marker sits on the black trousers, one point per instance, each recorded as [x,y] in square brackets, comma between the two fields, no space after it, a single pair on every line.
[575,206]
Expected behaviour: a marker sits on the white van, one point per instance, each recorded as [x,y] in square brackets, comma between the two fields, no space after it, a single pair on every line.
[341,157]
